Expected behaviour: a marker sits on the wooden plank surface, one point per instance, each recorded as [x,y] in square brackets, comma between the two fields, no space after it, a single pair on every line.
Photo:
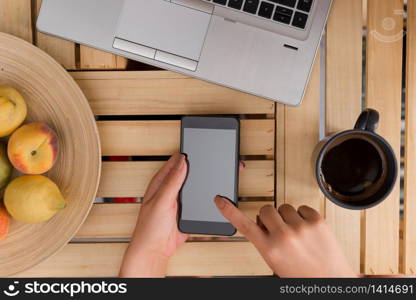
[130,179]
[91,58]
[16,18]
[117,220]
[61,50]
[409,263]
[125,138]
[166,93]
[301,137]
[343,105]
[163,92]
[193,259]
[384,78]
[280,155]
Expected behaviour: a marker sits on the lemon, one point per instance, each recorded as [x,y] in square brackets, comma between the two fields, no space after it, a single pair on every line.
[33,199]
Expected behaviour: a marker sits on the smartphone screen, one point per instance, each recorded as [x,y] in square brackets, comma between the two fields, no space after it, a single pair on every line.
[211,145]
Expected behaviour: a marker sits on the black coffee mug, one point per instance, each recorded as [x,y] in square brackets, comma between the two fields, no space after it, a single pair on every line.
[356,169]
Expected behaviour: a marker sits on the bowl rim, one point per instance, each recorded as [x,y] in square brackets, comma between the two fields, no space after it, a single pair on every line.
[4,37]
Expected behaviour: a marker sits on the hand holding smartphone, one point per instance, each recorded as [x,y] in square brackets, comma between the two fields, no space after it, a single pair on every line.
[212,148]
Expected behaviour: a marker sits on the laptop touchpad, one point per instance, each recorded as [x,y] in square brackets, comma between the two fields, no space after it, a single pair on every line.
[164,26]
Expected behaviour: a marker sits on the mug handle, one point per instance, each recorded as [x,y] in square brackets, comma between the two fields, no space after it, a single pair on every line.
[368,120]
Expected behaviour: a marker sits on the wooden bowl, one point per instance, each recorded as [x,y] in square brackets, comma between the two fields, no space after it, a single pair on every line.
[52,97]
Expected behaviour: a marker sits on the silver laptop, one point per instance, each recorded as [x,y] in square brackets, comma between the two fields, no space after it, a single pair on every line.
[265,48]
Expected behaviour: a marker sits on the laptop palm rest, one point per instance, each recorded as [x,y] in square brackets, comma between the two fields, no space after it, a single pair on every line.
[174,35]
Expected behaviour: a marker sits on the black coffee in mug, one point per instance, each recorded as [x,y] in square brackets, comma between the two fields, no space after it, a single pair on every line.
[356,168]
[353,169]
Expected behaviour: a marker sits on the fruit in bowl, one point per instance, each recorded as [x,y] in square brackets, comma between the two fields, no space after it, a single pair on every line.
[33,199]
[5,167]
[13,110]
[33,148]
[4,222]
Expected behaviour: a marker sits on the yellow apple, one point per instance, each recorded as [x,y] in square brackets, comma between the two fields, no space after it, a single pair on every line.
[33,148]
[13,110]
[5,167]
[33,199]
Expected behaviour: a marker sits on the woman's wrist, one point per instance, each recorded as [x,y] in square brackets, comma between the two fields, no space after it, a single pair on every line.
[143,264]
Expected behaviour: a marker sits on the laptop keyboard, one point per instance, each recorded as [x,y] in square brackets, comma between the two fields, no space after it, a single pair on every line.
[290,12]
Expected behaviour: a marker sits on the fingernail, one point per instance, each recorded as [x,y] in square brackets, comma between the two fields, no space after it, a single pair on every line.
[181,161]
[220,202]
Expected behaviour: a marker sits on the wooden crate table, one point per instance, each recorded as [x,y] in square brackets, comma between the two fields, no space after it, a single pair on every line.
[138,115]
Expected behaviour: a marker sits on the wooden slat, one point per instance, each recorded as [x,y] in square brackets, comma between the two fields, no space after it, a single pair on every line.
[280,155]
[163,137]
[61,50]
[130,179]
[164,93]
[384,78]
[117,220]
[193,259]
[409,263]
[94,59]
[343,105]
[301,137]
[16,18]
[365,11]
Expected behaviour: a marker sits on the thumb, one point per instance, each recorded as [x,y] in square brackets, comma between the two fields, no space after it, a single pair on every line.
[240,221]
[174,180]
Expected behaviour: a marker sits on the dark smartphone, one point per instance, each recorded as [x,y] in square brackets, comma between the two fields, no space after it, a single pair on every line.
[212,148]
